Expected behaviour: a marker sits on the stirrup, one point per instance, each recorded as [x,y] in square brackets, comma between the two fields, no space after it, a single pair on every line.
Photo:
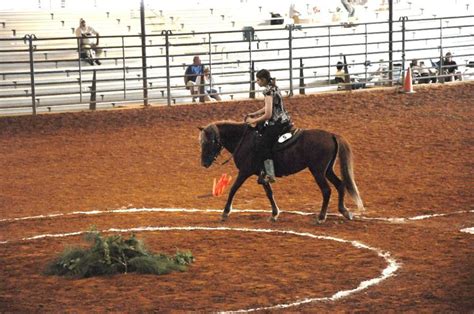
[264,178]
[269,179]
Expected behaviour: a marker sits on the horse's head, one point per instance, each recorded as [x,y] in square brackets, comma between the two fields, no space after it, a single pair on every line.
[211,145]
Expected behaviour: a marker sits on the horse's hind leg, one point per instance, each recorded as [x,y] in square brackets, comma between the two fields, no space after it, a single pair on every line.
[325,189]
[275,209]
[341,190]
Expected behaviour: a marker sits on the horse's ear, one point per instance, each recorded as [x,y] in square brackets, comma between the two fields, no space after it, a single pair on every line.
[200,128]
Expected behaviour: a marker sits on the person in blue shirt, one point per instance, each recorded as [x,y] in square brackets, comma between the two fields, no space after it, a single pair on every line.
[190,76]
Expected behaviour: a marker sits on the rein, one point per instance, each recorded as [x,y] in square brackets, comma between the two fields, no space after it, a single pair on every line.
[238,145]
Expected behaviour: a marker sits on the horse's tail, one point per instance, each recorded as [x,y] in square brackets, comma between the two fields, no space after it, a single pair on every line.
[347,172]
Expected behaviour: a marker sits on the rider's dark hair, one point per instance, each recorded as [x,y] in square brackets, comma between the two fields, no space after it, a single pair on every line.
[265,75]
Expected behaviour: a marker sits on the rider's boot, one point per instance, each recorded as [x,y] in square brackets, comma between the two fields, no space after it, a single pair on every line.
[269,171]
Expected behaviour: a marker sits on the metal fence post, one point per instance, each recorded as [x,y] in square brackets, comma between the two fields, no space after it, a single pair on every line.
[441,60]
[290,28]
[144,66]
[251,64]
[390,42]
[79,56]
[252,80]
[30,39]
[210,60]
[302,85]
[168,80]
[329,55]
[403,19]
[201,89]
[124,70]
[93,100]
[366,63]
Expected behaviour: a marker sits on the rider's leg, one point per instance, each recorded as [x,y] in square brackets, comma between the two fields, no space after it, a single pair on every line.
[269,170]
[269,137]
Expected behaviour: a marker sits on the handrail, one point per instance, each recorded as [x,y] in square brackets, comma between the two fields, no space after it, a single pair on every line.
[316,47]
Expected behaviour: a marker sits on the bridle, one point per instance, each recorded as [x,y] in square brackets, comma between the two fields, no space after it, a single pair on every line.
[217,143]
[238,145]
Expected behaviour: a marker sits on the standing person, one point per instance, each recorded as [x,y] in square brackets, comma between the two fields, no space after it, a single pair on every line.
[271,120]
[88,44]
[348,6]
[208,82]
[190,76]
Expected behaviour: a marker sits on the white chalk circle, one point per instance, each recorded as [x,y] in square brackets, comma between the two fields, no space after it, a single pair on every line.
[468,230]
[392,265]
[196,210]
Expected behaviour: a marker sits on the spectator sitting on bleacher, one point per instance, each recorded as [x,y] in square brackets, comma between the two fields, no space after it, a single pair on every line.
[380,76]
[190,76]
[450,68]
[415,70]
[210,93]
[294,13]
[88,44]
[427,74]
[340,76]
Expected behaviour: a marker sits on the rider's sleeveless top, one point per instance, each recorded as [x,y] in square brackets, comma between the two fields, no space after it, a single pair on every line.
[279,114]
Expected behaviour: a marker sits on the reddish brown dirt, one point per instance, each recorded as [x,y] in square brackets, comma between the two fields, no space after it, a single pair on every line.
[413,156]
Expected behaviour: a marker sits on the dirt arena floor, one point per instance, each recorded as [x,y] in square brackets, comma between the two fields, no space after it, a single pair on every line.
[413,157]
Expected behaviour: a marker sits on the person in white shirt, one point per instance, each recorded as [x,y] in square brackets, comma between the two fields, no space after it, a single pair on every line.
[210,93]
[294,13]
[87,42]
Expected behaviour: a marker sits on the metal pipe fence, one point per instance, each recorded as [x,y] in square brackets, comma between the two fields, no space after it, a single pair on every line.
[45,74]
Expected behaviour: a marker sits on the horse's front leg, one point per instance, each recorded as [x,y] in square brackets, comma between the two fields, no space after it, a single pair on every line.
[237,184]
[275,209]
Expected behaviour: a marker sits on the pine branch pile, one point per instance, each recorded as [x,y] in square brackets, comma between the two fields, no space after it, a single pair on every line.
[114,254]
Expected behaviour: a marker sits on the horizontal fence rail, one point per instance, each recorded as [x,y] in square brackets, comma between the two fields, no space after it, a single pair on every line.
[47,74]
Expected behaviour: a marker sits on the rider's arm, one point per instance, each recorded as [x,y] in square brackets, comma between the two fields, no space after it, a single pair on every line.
[268,111]
[256,113]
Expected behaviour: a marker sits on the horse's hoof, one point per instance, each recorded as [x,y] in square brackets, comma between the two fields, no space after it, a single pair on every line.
[224,217]
[347,214]
[273,218]
[320,221]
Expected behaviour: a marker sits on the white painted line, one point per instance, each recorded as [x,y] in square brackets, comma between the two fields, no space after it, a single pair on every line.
[392,265]
[468,230]
[439,215]
[194,210]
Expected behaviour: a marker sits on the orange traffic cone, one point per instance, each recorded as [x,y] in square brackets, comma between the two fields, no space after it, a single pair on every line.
[408,84]
[219,186]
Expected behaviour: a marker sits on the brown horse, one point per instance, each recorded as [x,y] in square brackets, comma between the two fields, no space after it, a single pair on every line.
[314,149]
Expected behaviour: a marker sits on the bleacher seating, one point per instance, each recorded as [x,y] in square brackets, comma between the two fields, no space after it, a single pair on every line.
[58,70]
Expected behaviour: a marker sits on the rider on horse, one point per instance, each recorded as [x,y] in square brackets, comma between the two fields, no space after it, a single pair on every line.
[271,121]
